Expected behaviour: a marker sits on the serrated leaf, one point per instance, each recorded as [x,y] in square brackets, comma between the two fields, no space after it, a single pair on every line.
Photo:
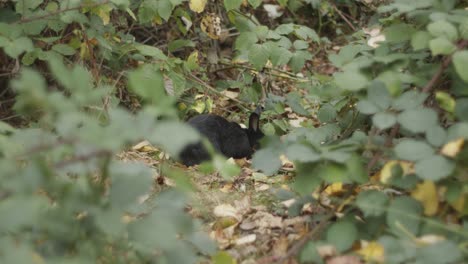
[326,113]
[258,55]
[434,168]
[302,153]
[413,150]
[64,49]
[404,215]
[351,80]
[232,4]
[441,46]
[443,28]
[420,40]
[409,99]
[266,160]
[384,120]
[367,107]
[460,61]
[418,120]
[372,203]
[342,235]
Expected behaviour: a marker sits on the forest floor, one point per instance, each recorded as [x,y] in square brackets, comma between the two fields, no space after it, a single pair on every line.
[243,215]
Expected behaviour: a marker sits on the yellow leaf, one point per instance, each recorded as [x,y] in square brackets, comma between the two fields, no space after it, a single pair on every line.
[372,251]
[197,5]
[334,188]
[426,193]
[459,204]
[452,148]
[386,172]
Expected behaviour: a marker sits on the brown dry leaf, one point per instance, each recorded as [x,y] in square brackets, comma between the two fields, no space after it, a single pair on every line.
[288,203]
[259,187]
[426,193]
[285,162]
[429,239]
[348,259]
[211,25]
[452,148]
[371,251]
[280,247]
[266,220]
[230,94]
[227,210]
[227,188]
[326,251]
[245,240]
[247,225]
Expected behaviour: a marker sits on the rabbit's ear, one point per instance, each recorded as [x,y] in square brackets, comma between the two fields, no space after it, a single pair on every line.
[254,123]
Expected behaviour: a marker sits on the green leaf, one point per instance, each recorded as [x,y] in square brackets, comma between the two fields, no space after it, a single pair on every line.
[173,136]
[300,44]
[404,215]
[442,28]
[384,120]
[266,160]
[18,46]
[255,3]
[309,253]
[148,83]
[434,168]
[293,99]
[420,40]
[64,49]
[129,181]
[232,4]
[326,113]
[418,120]
[460,61]
[164,8]
[356,171]
[367,107]
[461,109]
[441,46]
[298,59]
[372,203]
[227,169]
[398,32]
[436,136]
[342,235]
[258,55]
[409,149]
[379,95]
[351,80]
[280,56]
[245,40]
[179,43]
[332,172]
[261,32]
[408,100]
[445,101]
[302,153]
[442,252]
[150,51]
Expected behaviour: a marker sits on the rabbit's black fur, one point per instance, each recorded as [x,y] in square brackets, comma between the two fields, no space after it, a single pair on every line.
[227,138]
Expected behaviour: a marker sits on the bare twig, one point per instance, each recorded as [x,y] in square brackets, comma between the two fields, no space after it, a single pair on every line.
[344,17]
[388,143]
[445,63]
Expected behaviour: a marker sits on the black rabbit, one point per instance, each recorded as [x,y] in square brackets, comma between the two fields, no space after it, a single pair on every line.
[227,138]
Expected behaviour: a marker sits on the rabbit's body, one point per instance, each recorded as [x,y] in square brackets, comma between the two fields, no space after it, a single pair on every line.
[227,138]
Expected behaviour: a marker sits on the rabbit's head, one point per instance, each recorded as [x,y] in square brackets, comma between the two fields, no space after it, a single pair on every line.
[254,133]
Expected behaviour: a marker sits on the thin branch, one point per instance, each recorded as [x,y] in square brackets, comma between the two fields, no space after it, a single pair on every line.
[445,63]
[344,17]
[388,143]
[30,19]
